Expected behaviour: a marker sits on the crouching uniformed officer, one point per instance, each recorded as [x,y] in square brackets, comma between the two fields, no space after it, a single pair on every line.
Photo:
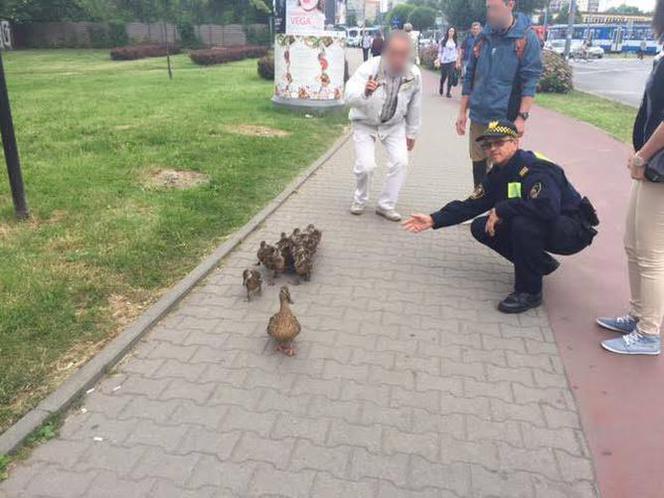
[532,210]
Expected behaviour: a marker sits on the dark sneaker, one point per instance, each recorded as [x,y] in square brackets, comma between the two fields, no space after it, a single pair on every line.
[625,324]
[518,302]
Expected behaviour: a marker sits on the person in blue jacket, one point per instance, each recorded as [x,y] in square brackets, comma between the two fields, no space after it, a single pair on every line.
[501,77]
[532,210]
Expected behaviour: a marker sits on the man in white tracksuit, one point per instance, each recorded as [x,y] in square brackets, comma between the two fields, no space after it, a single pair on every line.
[385,97]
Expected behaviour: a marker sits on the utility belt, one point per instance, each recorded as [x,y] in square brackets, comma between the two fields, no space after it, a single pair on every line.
[586,215]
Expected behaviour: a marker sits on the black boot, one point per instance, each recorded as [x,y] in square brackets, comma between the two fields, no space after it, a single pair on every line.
[479,172]
[518,302]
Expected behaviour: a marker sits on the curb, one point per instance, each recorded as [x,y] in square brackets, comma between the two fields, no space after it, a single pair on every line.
[100,364]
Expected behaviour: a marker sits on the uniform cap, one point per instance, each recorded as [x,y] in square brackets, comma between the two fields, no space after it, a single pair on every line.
[499,129]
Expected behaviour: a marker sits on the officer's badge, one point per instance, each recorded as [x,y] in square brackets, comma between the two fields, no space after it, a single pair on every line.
[535,190]
[523,172]
[492,125]
[478,193]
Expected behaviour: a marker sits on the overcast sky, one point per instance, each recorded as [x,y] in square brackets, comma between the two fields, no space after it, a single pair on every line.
[645,5]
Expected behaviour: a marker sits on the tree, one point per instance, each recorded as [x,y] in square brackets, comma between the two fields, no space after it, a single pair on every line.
[398,16]
[422,18]
[625,9]
[563,16]
[462,13]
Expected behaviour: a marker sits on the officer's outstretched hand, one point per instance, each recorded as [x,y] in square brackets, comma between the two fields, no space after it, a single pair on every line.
[418,223]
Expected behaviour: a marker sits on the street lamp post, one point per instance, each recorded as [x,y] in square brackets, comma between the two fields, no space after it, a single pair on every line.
[570,27]
[11,150]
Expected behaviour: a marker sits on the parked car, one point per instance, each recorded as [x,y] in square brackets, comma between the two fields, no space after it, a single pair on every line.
[576,49]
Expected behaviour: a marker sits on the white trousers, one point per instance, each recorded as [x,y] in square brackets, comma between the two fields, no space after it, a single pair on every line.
[394,141]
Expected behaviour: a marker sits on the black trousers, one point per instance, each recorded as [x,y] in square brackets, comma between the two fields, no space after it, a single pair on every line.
[525,242]
[446,71]
[365,54]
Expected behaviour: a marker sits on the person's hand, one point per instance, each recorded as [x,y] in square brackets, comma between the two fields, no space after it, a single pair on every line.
[637,167]
[520,124]
[491,223]
[410,143]
[461,121]
[372,84]
[418,223]
[457,66]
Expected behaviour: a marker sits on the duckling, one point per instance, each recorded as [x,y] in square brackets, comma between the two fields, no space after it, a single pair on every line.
[283,325]
[304,263]
[285,246]
[264,251]
[314,233]
[275,263]
[252,281]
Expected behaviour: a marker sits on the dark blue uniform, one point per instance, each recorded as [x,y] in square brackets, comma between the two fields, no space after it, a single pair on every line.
[539,211]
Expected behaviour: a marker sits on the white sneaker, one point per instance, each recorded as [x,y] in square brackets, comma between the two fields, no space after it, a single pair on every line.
[389,214]
[357,208]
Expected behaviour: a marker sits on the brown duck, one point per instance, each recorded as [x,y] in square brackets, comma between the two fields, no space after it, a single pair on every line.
[283,325]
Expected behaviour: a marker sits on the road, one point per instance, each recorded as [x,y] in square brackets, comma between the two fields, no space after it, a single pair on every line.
[618,79]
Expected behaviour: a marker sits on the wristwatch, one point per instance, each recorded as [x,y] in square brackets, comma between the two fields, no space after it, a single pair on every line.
[523,115]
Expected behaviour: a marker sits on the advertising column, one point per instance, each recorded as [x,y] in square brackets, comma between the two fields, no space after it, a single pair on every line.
[309,56]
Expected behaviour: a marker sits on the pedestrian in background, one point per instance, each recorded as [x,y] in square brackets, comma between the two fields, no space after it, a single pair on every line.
[414,43]
[377,45]
[384,95]
[466,48]
[501,77]
[448,54]
[366,45]
[644,230]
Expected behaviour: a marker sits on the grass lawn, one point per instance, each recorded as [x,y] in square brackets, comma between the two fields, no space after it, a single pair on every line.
[104,241]
[614,118]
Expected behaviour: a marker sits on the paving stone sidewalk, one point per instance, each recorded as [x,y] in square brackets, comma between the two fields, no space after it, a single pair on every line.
[407,381]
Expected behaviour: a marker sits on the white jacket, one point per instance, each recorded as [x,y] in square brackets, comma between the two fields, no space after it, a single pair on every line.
[366,110]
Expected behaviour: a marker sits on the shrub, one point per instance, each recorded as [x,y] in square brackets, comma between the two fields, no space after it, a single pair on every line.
[98,36]
[134,52]
[428,55]
[187,34]
[117,32]
[266,67]
[557,75]
[221,55]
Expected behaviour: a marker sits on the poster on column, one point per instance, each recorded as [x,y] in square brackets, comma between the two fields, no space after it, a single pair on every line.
[304,16]
[310,67]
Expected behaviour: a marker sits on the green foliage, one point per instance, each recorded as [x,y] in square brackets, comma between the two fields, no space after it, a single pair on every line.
[562,17]
[557,74]
[266,67]
[462,13]
[4,464]
[351,19]
[117,33]
[99,36]
[422,18]
[258,35]
[398,16]
[625,9]
[187,34]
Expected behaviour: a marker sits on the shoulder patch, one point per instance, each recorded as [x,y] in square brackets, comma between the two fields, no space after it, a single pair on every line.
[478,193]
[523,172]
[535,190]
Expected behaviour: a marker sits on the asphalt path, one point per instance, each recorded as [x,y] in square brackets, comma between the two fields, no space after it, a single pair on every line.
[618,79]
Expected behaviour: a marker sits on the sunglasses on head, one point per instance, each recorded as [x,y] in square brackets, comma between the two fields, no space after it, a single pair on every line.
[487,145]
